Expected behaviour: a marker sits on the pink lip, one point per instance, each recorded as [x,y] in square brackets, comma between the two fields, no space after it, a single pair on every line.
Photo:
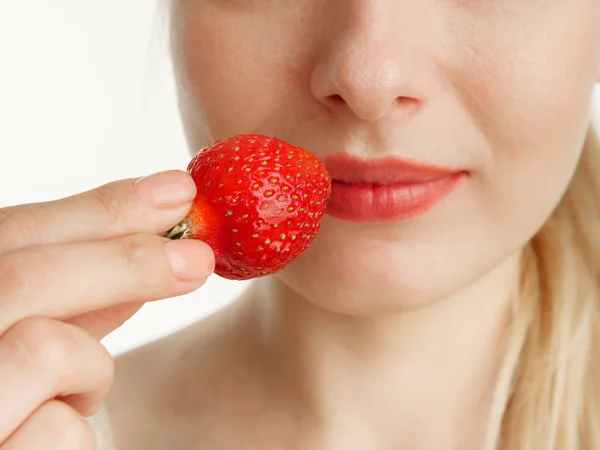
[388,189]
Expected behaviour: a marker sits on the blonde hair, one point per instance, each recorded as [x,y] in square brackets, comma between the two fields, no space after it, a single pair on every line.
[548,391]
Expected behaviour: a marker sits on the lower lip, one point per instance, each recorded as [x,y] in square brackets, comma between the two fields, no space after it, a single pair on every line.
[400,202]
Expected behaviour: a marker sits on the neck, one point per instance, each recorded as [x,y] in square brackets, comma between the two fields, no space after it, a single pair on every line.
[373,380]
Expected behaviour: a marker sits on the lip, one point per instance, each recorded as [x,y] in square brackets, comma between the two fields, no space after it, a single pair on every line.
[387,189]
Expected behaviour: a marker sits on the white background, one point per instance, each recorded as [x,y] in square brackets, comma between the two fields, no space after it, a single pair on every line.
[86,97]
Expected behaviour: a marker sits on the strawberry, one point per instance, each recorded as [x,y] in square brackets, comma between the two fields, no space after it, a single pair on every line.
[259,205]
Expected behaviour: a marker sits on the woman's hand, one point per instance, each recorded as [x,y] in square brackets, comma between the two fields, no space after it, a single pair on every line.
[72,271]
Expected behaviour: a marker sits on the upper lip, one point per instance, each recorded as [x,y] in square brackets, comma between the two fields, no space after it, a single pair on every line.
[383,171]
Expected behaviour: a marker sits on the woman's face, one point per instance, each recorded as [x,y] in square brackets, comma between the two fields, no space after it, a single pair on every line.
[498,88]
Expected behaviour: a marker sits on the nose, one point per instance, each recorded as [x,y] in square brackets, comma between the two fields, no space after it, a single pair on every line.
[372,63]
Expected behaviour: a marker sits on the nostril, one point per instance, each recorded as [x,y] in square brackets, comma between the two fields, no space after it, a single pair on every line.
[337,99]
[404,107]
[407,101]
[408,106]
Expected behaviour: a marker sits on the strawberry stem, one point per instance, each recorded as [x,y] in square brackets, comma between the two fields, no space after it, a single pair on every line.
[179,231]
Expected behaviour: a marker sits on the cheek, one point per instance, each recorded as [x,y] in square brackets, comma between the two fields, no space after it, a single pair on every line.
[238,70]
[210,80]
[523,79]
[529,89]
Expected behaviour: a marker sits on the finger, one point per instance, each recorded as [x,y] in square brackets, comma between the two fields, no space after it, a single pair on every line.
[151,204]
[42,359]
[67,280]
[101,322]
[53,426]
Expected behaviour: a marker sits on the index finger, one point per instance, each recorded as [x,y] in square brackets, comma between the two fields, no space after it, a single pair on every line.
[150,204]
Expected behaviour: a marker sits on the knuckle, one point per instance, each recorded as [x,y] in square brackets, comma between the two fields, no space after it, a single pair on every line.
[15,278]
[16,223]
[40,343]
[113,206]
[8,222]
[72,430]
[140,253]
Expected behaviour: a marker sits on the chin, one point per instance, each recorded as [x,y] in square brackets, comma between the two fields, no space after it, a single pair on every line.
[364,272]
[373,269]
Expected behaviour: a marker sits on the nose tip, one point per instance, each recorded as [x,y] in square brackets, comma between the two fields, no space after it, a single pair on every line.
[367,81]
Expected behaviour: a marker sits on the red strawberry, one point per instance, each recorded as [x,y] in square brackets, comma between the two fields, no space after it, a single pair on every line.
[259,204]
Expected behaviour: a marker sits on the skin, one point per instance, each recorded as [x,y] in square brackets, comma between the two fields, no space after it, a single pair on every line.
[380,336]
[53,370]
[345,347]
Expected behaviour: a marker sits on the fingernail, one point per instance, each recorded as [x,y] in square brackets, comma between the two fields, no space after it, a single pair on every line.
[166,189]
[190,259]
